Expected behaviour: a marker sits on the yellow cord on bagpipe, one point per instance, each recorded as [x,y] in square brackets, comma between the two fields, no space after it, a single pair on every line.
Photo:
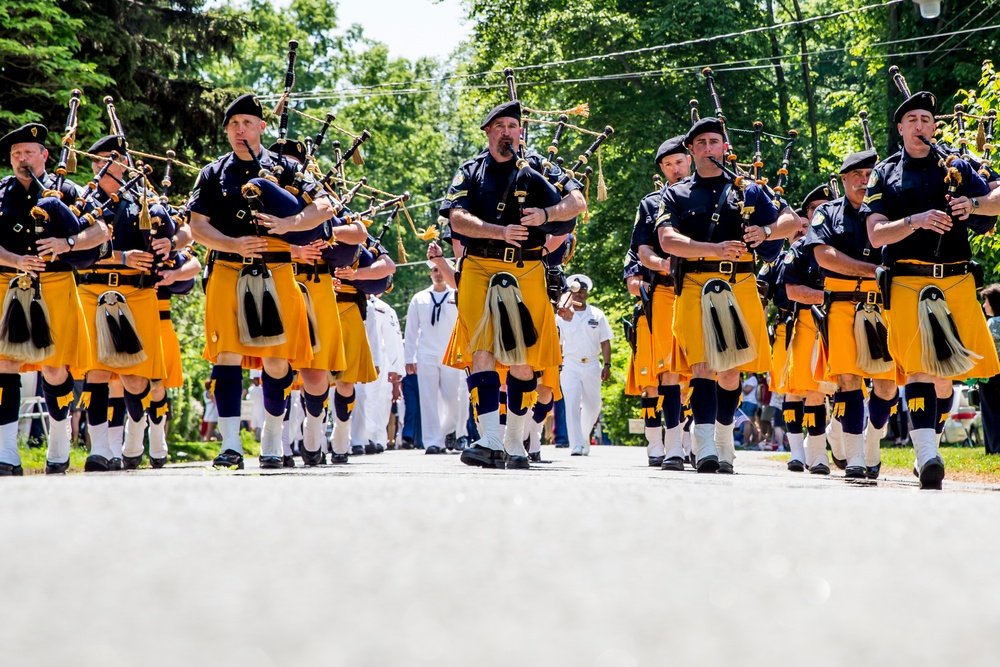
[429,233]
[584,130]
[582,109]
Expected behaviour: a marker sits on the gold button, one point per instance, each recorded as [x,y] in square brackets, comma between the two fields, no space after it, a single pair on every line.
[215,337]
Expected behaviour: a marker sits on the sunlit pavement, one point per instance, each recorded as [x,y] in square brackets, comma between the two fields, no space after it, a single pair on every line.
[408,559]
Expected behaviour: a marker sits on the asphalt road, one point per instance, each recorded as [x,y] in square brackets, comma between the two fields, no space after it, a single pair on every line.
[407,559]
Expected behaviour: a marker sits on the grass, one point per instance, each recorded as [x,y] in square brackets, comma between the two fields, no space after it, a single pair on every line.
[33,458]
[970,464]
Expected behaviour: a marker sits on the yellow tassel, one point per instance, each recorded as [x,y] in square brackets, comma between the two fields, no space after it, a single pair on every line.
[71,161]
[915,404]
[839,409]
[145,221]
[980,137]
[429,234]
[528,400]
[358,158]
[280,106]
[400,250]
[602,188]
[586,199]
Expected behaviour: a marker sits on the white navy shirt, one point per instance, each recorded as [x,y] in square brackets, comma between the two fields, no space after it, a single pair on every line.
[583,335]
[423,338]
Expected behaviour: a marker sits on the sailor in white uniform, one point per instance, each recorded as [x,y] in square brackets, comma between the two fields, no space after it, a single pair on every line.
[586,350]
[444,397]
[379,394]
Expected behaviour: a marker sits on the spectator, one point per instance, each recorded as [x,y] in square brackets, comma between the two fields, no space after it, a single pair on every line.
[211,416]
[989,391]
[749,404]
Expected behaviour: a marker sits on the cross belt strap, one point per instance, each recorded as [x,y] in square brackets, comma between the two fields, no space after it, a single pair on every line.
[164,314]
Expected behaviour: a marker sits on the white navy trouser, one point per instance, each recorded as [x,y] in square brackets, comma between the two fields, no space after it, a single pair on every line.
[581,388]
[442,400]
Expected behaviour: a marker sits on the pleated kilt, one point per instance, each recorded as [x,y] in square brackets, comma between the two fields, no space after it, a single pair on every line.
[640,370]
[779,359]
[330,356]
[842,356]
[904,330]
[476,275]
[798,369]
[146,314]
[222,332]
[173,371]
[358,364]
[689,336]
[67,321]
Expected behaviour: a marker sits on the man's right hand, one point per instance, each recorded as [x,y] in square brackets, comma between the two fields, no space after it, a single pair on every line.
[411,369]
[514,234]
[934,220]
[248,246]
[32,264]
[731,250]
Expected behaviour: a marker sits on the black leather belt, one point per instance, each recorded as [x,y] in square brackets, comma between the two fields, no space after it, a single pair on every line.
[115,279]
[706,266]
[855,297]
[310,270]
[662,279]
[164,314]
[931,270]
[503,252]
[266,257]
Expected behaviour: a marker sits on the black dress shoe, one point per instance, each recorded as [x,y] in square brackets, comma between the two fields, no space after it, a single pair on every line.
[725,468]
[96,463]
[357,450]
[708,464]
[370,448]
[379,448]
[116,464]
[840,463]
[56,468]
[854,472]
[287,461]
[271,462]
[131,462]
[932,474]
[820,469]
[517,463]
[675,463]
[655,461]
[313,458]
[406,445]
[484,457]
[535,457]
[462,443]
[434,449]
[10,470]
[229,459]
[156,463]
[796,466]
[339,459]
[562,445]
[871,472]
[449,441]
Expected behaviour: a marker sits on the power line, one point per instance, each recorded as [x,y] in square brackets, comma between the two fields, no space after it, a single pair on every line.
[617,54]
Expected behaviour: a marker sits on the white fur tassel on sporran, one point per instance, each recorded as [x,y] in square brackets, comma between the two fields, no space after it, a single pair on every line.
[118,341]
[314,340]
[506,328]
[25,334]
[729,343]
[942,352]
[259,311]
[871,339]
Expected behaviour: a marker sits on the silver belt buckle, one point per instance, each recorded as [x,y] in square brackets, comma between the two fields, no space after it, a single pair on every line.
[938,271]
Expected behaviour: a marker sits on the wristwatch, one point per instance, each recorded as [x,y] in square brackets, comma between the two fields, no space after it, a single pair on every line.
[975,204]
[71,242]
[767,232]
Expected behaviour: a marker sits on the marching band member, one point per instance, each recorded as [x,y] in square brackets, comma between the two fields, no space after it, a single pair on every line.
[36,261]
[251,274]
[937,333]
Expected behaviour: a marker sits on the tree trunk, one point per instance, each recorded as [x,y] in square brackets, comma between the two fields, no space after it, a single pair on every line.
[779,72]
[810,99]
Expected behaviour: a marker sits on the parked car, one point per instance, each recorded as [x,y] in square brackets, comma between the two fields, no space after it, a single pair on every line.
[964,426]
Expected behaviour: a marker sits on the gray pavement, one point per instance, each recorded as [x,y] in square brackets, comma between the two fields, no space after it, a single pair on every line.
[407,559]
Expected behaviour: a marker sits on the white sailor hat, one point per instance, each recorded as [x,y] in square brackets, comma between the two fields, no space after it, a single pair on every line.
[255,374]
[582,279]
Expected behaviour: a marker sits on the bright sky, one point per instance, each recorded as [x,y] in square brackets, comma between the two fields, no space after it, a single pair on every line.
[411,28]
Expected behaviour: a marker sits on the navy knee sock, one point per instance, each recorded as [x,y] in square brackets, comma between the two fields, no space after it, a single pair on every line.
[814,419]
[921,403]
[10,397]
[704,402]
[343,405]
[97,402]
[727,400]
[116,411]
[943,410]
[671,394]
[849,407]
[650,411]
[314,404]
[879,409]
[58,398]
[484,391]
[519,394]
[227,386]
[540,411]
[157,410]
[275,392]
[793,412]
[136,404]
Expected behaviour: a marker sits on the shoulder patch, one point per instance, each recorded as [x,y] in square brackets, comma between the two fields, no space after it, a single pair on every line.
[873,179]
[457,181]
[818,219]
[789,257]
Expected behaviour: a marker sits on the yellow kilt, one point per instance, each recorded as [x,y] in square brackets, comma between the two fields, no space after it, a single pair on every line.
[358,364]
[67,322]
[142,303]
[330,356]
[476,274]
[222,333]
[798,371]
[779,359]
[842,357]
[689,337]
[664,301]
[904,330]
[173,372]
[640,370]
